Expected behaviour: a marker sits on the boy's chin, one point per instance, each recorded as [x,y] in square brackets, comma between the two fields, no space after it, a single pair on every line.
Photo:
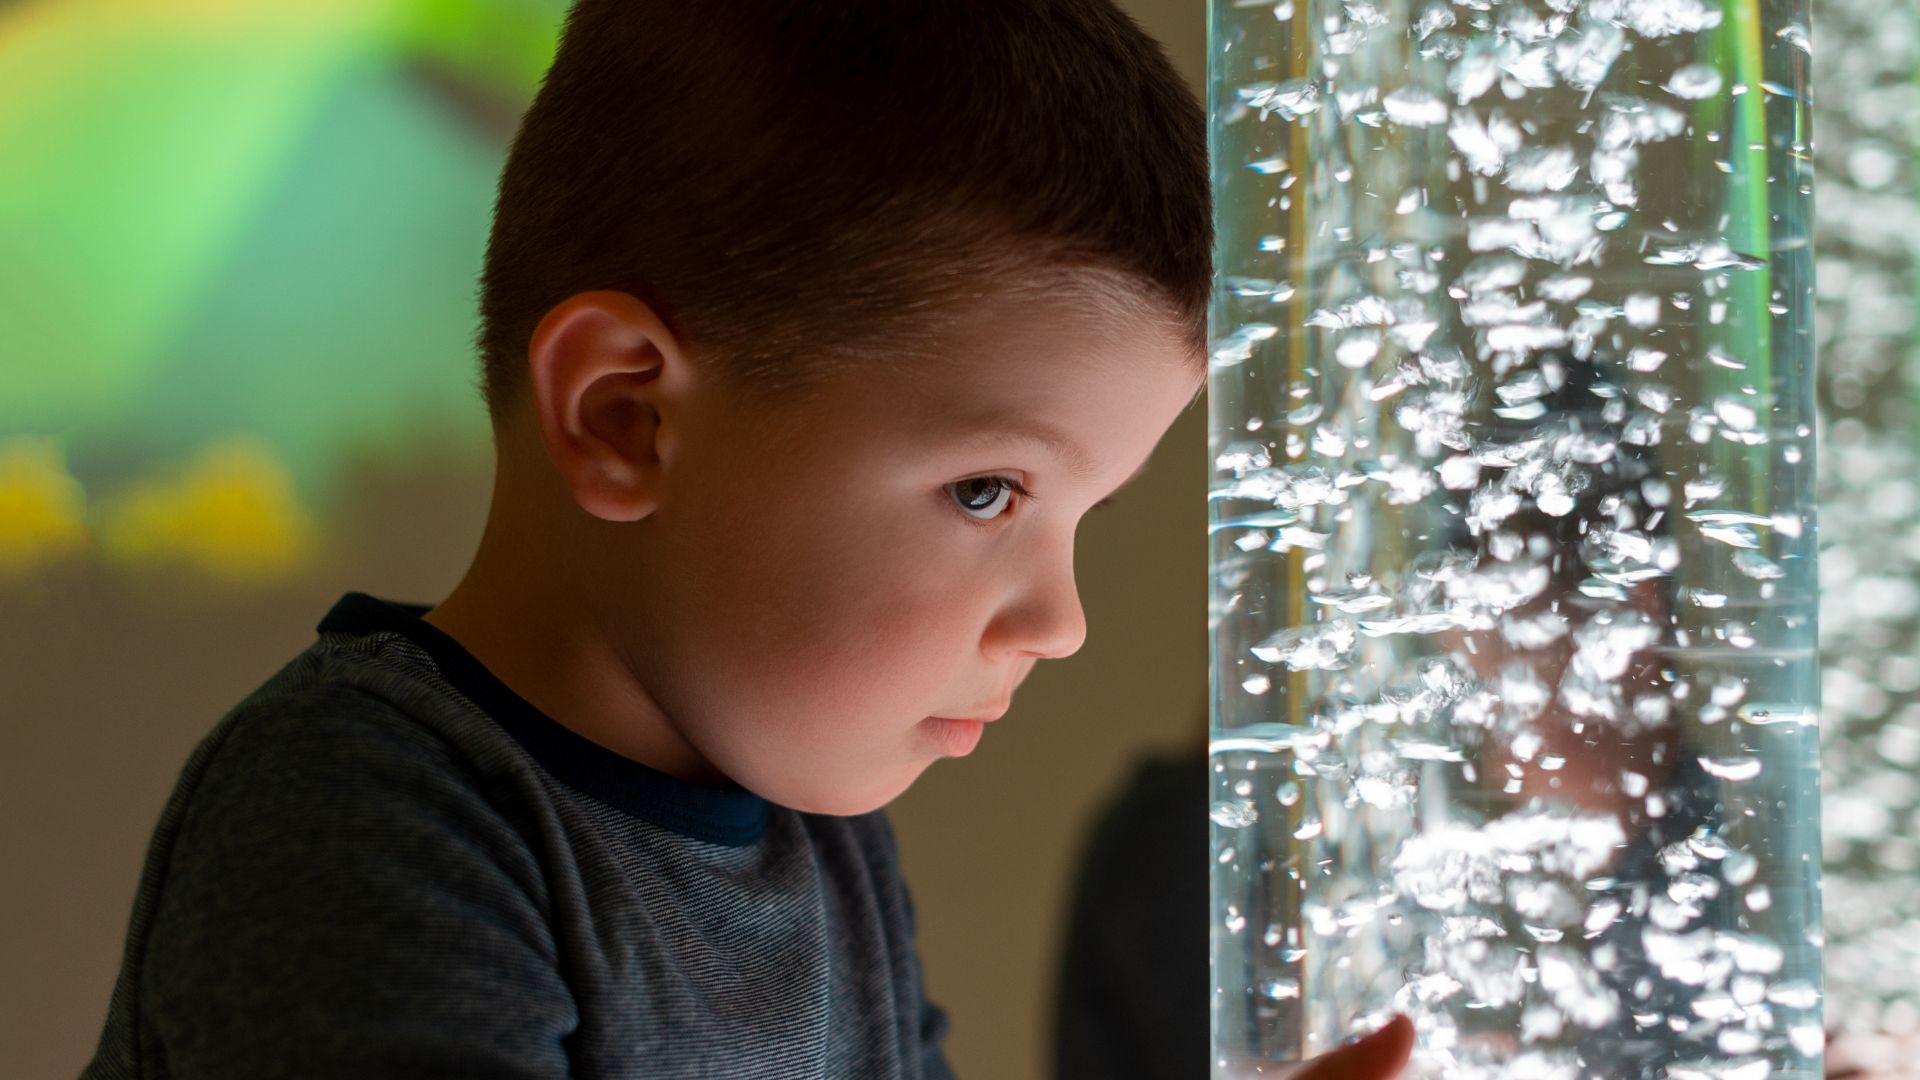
[845,800]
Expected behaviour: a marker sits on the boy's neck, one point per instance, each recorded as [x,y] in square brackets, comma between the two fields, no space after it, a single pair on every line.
[549,656]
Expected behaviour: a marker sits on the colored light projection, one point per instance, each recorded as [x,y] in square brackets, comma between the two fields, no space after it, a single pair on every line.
[239,241]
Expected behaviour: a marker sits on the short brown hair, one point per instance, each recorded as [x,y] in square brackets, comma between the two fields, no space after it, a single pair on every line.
[795,185]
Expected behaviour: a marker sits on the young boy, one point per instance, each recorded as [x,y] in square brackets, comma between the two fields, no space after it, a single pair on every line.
[810,332]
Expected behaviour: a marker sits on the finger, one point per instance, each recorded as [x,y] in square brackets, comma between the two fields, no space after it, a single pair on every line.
[1379,1056]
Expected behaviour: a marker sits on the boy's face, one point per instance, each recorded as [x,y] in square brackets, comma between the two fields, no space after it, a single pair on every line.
[810,589]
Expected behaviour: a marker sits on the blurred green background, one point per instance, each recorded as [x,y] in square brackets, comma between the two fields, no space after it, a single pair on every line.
[241,241]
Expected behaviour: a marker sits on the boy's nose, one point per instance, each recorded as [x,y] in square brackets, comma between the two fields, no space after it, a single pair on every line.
[1043,620]
[1074,634]
[1059,623]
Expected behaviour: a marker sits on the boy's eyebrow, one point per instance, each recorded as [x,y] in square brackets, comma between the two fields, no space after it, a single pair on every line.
[1079,464]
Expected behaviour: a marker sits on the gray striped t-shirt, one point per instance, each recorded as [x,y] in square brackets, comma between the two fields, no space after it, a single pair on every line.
[383,862]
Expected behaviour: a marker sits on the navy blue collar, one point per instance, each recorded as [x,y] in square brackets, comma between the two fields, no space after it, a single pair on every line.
[732,816]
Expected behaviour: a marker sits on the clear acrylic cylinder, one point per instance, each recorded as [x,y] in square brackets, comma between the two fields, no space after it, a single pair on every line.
[1513,594]
[1868,245]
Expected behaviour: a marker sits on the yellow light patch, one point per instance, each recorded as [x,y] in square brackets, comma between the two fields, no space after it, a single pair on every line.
[42,507]
[231,513]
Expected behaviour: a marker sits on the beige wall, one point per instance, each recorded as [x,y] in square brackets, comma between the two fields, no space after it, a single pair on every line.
[107,683]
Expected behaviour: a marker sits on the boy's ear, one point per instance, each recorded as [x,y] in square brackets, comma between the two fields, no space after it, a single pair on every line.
[605,377]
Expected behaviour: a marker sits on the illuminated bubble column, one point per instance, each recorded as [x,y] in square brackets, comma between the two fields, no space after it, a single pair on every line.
[1868,95]
[1511,513]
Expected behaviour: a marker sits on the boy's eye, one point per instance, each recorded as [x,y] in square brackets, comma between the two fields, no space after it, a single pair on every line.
[984,497]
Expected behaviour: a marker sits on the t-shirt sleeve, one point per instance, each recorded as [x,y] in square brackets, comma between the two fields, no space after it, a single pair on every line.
[343,899]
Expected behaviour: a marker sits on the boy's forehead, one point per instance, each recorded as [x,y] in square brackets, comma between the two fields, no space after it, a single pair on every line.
[1071,325]
[1078,398]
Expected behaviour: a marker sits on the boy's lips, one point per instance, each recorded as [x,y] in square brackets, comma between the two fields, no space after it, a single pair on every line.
[985,718]
[956,736]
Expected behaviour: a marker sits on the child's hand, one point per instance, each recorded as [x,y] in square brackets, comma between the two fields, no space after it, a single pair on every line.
[1379,1056]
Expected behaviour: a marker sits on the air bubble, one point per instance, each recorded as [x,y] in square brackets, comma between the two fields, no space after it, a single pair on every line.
[1234,813]
[1731,769]
[1281,989]
[1694,81]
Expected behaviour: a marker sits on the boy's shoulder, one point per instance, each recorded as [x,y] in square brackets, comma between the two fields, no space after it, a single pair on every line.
[356,820]
[333,744]
[331,713]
